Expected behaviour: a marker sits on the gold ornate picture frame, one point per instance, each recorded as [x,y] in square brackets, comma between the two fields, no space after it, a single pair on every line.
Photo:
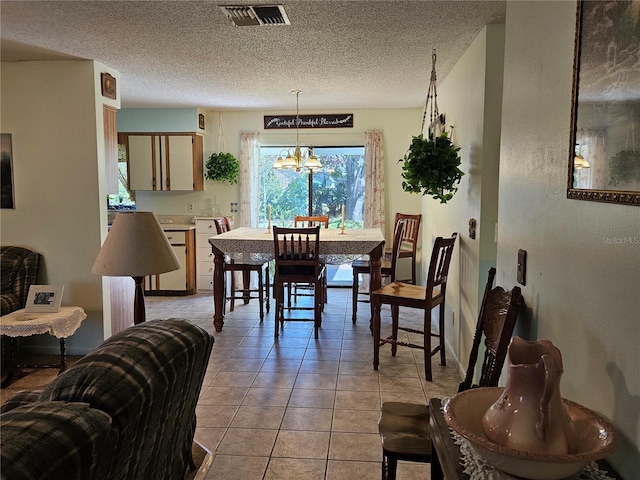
[604,151]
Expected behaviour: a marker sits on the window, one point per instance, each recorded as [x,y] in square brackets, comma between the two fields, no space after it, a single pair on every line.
[289,193]
[125,199]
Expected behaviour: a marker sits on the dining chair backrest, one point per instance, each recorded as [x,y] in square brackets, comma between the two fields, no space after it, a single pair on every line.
[496,321]
[297,252]
[439,266]
[302,221]
[395,251]
[222,225]
[411,229]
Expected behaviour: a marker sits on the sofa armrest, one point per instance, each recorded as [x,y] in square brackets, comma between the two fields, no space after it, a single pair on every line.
[19,271]
[53,440]
[23,397]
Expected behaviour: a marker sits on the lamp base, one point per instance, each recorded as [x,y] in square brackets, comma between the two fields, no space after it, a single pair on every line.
[139,313]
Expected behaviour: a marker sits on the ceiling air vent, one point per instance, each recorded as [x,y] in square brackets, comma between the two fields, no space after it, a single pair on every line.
[245,16]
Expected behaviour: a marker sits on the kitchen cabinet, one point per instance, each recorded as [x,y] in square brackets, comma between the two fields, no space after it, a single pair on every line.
[109,119]
[164,161]
[178,282]
[205,228]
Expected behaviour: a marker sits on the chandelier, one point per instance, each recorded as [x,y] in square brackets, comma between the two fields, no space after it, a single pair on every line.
[298,159]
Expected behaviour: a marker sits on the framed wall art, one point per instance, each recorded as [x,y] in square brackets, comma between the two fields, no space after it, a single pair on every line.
[44,298]
[6,172]
[108,86]
[604,163]
[201,121]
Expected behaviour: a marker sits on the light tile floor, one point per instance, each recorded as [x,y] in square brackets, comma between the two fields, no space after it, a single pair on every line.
[296,407]
[299,407]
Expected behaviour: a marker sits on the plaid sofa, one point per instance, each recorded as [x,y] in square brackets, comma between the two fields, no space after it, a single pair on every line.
[124,411]
[18,271]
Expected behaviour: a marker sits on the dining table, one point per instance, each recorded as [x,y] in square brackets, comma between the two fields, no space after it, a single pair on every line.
[255,245]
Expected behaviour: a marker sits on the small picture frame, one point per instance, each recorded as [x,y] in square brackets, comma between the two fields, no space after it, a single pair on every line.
[201,121]
[108,86]
[44,298]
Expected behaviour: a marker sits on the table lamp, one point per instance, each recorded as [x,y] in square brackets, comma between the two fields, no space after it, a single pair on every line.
[136,246]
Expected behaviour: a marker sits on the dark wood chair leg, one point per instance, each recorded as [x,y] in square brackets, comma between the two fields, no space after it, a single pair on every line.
[392,467]
[267,288]
[232,290]
[443,359]
[395,314]
[354,295]
[261,294]
[427,345]
[375,306]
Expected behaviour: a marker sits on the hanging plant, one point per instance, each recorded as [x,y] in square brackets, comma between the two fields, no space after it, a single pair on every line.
[431,167]
[625,167]
[222,167]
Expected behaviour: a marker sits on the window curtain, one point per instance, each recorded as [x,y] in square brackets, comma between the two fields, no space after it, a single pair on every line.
[249,179]
[374,211]
[591,145]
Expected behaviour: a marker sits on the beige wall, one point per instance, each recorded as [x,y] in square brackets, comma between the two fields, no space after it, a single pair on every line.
[54,112]
[583,280]
[583,288]
[470,97]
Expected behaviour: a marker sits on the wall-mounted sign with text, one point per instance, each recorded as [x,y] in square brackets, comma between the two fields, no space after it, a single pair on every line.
[341,120]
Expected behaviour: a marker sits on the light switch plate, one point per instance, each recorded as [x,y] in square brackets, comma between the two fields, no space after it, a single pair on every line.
[522,267]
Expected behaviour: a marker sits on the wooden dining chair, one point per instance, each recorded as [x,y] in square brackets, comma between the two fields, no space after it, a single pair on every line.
[297,260]
[231,266]
[400,294]
[404,427]
[387,270]
[409,245]
[300,221]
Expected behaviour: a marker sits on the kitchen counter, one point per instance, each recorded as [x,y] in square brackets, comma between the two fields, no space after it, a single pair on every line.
[178,227]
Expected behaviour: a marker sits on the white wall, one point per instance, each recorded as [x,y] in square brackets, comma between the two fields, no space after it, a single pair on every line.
[582,292]
[51,110]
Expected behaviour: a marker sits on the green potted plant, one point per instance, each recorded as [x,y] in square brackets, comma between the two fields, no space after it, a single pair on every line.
[222,167]
[625,167]
[430,167]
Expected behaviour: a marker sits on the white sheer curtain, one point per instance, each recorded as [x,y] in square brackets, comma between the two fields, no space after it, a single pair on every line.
[374,208]
[591,145]
[249,179]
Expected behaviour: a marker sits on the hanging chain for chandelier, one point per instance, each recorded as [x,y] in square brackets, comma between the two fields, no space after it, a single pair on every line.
[436,119]
[297,160]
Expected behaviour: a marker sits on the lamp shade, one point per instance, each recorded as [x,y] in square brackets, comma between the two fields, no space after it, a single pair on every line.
[135,246]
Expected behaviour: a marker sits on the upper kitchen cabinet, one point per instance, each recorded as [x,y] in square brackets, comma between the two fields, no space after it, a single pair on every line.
[164,161]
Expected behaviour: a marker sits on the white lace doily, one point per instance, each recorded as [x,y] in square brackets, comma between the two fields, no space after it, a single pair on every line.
[61,324]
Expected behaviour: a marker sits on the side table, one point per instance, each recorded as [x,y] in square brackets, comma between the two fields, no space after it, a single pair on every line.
[61,324]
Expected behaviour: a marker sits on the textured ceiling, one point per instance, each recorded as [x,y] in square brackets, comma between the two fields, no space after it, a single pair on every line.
[341,54]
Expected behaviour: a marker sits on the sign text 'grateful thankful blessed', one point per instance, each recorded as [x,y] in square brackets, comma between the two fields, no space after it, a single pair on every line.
[342,120]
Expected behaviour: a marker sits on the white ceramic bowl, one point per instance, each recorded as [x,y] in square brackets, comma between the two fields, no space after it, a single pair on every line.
[597,438]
